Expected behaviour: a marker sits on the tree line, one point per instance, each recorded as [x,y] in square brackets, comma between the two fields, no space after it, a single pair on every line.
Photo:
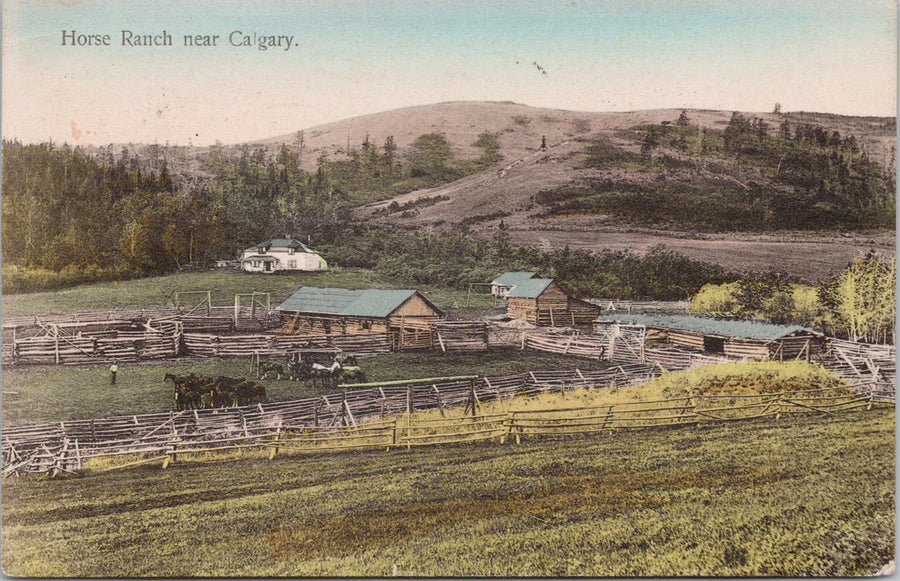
[457,261]
[71,215]
[69,218]
[859,304]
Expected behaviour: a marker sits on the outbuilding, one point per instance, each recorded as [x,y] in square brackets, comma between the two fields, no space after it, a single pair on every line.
[733,338]
[403,317]
[542,302]
[503,284]
[282,254]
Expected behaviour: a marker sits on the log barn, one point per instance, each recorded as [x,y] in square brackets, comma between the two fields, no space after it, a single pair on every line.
[542,302]
[404,317]
[740,339]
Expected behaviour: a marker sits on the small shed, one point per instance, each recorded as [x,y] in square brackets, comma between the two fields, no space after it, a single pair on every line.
[403,317]
[733,338]
[503,284]
[542,302]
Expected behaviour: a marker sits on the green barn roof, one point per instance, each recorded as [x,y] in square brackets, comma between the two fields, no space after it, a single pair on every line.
[378,303]
[709,326]
[530,289]
[513,278]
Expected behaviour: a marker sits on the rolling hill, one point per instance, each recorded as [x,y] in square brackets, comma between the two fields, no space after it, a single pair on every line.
[544,150]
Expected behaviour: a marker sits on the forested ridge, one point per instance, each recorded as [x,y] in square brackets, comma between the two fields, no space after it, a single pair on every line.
[748,177]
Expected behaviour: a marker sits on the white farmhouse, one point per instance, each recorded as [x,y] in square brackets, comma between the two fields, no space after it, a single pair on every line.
[282,254]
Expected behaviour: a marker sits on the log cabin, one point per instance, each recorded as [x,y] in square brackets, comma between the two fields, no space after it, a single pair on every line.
[403,317]
[542,302]
[739,339]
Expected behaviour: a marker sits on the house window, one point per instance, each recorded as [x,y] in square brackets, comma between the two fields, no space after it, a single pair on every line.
[291,250]
[255,264]
[292,264]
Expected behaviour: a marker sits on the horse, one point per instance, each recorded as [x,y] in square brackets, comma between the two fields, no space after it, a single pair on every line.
[325,376]
[193,392]
[186,396]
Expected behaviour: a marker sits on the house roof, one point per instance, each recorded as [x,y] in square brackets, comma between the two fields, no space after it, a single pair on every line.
[530,289]
[512,278]
[282,243]
[708,326]
[261,257]
[349,302]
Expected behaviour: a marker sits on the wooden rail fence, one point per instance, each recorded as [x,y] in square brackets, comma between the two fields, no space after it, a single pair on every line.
[27,448]
[238,429]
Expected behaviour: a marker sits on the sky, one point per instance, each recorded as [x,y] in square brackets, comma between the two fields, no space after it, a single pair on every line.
[78,71]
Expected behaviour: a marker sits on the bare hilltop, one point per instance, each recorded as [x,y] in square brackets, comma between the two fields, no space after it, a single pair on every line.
[543,149]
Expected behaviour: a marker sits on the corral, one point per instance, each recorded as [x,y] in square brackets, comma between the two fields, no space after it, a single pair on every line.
[379,415]
[635,350]
[411,321]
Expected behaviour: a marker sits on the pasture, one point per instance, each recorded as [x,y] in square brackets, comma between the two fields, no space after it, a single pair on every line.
[806,495]
[57,393]
[160,291]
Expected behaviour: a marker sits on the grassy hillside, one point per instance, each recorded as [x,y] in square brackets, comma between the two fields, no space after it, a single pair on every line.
[160,291]
[808,495]
[743,178]
[750,498]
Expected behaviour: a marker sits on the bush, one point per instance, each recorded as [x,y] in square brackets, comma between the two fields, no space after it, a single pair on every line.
[19,279]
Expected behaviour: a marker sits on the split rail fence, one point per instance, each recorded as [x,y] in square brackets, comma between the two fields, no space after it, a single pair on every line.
[191,432]
[63,445]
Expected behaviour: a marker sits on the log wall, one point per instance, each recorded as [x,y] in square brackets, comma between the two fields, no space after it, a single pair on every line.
[553,308]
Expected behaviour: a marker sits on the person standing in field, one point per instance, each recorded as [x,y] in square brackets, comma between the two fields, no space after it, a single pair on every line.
[112,371]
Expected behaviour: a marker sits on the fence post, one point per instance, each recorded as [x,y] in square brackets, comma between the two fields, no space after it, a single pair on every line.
[409,408]
[472,401]
[439,400]
[383,402]
[274,449]
[170,457]
[513,429]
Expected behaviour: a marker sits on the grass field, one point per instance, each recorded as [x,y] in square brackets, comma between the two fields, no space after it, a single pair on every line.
[802,496]
[160,291]
[56,393]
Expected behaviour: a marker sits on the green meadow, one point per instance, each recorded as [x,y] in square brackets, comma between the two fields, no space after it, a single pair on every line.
[160,291]
[804,495]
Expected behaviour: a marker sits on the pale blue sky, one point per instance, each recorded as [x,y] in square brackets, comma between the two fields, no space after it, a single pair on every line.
[357,57]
